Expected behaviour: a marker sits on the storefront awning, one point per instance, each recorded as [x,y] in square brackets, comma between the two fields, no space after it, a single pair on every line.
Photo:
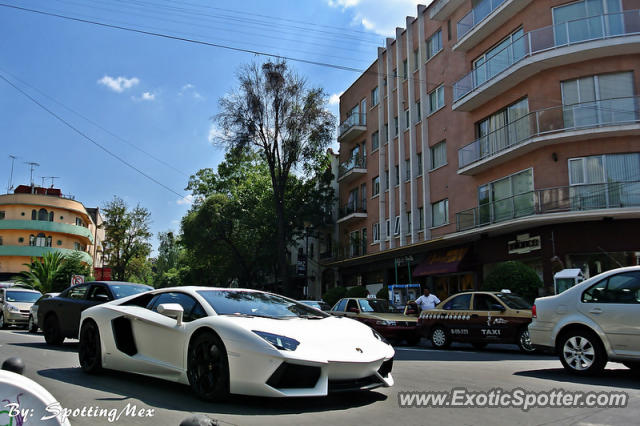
[441,262]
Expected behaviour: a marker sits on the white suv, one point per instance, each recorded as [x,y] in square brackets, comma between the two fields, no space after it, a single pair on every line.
[594,322]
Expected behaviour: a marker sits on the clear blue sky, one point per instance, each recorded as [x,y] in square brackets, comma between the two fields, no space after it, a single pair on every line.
[155,93]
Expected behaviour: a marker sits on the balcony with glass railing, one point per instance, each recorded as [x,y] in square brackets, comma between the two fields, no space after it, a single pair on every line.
[354,126]
[352,168]
[567,122]
[352,211]
[546,48]
[576,198]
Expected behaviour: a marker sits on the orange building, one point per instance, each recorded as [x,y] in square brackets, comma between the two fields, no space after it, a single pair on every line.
[493,130]
[35,220]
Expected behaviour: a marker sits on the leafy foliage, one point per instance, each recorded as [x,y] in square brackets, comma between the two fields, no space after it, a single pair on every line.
[72,264]
[357,291]
[383,293]
[41,274]
[515,276]
[127,237]
[274,114]
[334,294]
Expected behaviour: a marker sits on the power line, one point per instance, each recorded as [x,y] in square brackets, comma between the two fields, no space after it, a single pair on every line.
[95,124]
[32,99]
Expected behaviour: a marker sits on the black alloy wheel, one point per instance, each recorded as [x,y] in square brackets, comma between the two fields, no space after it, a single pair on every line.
[51,328]
[89,350]
[208,367]
[524,341]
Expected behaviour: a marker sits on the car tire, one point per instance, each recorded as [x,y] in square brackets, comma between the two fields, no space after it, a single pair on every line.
[51,329]
[479,345]
[581,352]
[3,325]
[633,366]
[524,341]
[89,349]
[440,338]
[208,367]
[32,326]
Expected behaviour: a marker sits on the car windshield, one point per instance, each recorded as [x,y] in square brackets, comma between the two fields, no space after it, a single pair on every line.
[375,305]
[123,290]
[318,305]
[513,301]
[22,296]
[257,304]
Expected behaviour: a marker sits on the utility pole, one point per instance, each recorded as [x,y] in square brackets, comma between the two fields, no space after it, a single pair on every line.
[10,186]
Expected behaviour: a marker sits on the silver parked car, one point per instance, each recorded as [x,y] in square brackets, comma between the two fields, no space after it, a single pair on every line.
[33,314]
[15,303]
[593,322]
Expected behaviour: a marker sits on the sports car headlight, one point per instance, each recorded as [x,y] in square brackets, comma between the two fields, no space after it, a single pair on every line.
[379,337]
[280,342]
[384,322]
[12,308]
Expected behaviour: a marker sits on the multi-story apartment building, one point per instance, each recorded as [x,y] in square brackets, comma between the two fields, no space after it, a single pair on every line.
[494,130]
[35,220]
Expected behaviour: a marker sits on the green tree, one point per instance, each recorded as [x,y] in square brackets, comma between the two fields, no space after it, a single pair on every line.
[168,252]
[514,276]
[42,273]
[274,113]
[126,236]
[72,264]
[334,294]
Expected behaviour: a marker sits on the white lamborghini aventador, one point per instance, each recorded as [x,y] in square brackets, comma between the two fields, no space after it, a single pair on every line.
[222,341]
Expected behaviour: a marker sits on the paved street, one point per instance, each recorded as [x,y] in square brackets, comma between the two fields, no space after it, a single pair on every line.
[415,369]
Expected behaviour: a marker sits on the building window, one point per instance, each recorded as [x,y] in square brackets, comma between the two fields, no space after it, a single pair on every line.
[421,218]
[32,240]
[2,215]
[396,227]
[59,242]
[408,222]
[50,216]
[405,70]
[395,125]
[34,215]
[76,246]
[395,72]
[440,213]
[418,115]
[506,198]
[386,180]
[375,141]
[363,194]
[355,243]
[504,128]
[498,58]
[438,155]
[599,99]
[397,175]
[376,232]
[375,186]
[605,181]
[434,44]
[0,240]
[407,168]
[388,228]
[386,133]
[419,172]
[374,96]
[416,59]
[569,20]
[79,222]
[436,99]
[43,215]
[364,241]
[407,118]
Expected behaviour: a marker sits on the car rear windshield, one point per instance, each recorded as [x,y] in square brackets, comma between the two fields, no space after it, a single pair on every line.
[375,305]
[513,301]
[123,290]
[22,296]
[250,303]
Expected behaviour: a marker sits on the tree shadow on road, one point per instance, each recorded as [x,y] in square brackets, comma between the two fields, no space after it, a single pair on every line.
[615,378]
[173,396]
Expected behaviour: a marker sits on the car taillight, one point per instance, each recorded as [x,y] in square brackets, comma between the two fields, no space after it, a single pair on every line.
[533,312]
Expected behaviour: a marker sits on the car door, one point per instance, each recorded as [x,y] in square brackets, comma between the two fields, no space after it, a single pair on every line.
[614,304]
[338,309]
[455,314]
[352,310]
[70,307]
[489,323]
[160,342]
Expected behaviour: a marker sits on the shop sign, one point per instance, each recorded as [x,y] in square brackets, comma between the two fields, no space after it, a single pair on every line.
[524,244]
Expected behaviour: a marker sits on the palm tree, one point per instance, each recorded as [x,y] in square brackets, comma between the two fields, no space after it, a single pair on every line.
[41,274]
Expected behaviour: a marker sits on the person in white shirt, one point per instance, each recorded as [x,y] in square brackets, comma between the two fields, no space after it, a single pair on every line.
[427,300]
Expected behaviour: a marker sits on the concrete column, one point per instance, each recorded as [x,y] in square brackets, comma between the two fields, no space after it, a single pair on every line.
[413,163]
[391,147]
[402,125]
[382,157]
[424,134]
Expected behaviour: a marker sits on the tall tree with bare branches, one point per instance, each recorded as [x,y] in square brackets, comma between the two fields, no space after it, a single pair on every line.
[274,113]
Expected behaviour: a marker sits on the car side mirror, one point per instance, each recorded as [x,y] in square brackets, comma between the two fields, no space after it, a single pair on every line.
[354,310]
[171,310]
[497,307]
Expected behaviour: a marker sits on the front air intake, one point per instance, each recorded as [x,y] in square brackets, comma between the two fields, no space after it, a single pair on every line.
[294,376]
[386,368]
